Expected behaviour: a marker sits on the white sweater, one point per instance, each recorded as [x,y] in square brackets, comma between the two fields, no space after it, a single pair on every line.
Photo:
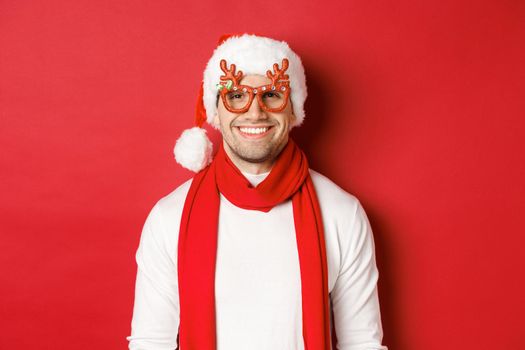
[257,280]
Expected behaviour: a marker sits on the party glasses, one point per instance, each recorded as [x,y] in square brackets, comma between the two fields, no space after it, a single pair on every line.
[238,98]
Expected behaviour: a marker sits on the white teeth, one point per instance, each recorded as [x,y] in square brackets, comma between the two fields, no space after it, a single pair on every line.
[253,131]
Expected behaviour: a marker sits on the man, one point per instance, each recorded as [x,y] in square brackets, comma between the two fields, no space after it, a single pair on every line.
[257,251]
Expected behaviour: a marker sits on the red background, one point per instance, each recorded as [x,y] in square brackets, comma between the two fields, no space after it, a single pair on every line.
[415,107]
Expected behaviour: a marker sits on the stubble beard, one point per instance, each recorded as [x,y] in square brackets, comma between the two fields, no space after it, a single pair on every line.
[257,152]
[252,154]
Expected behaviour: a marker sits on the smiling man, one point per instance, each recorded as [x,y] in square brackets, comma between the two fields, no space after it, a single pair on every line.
[257,251]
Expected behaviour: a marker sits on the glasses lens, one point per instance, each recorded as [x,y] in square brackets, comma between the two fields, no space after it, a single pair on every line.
[274,99]
[237,99]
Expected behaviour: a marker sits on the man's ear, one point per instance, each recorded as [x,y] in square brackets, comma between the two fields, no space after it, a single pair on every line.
[216,121]
[293,118]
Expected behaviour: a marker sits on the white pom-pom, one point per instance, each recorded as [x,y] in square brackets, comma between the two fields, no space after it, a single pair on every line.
[193,149]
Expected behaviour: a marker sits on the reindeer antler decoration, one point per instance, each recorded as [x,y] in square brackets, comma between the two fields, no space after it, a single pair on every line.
[230,77]
[279,73]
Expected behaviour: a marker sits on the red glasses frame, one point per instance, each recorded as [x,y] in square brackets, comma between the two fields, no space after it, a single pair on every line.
[230,83]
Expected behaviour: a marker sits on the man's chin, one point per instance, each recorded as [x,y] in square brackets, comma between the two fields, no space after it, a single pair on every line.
[252,151]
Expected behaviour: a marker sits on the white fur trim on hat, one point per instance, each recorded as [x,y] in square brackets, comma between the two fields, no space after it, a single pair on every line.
[254,55]
[193,149]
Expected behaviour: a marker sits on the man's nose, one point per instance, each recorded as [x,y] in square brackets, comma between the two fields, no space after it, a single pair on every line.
[255,111]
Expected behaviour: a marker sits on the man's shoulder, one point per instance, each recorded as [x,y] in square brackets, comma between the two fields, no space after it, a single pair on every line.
[174,201]
[329,189]
[332,198]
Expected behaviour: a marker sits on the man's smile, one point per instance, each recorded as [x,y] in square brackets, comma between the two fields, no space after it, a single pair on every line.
[254,132]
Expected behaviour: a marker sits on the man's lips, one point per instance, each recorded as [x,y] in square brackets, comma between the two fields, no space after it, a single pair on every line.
[254,132]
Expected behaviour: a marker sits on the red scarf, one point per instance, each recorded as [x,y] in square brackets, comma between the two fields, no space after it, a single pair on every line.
[197,246]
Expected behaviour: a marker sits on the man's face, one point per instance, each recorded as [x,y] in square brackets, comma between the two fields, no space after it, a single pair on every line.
[242,140]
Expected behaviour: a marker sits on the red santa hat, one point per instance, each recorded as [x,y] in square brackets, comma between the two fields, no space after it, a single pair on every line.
[251,54]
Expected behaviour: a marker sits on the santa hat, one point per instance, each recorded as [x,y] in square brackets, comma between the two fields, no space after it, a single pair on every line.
[251,54]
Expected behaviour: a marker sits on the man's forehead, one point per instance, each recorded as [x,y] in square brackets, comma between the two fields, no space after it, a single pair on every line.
[255,79]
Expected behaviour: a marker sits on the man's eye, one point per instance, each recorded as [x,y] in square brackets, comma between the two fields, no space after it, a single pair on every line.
[271,95]
[234,96]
